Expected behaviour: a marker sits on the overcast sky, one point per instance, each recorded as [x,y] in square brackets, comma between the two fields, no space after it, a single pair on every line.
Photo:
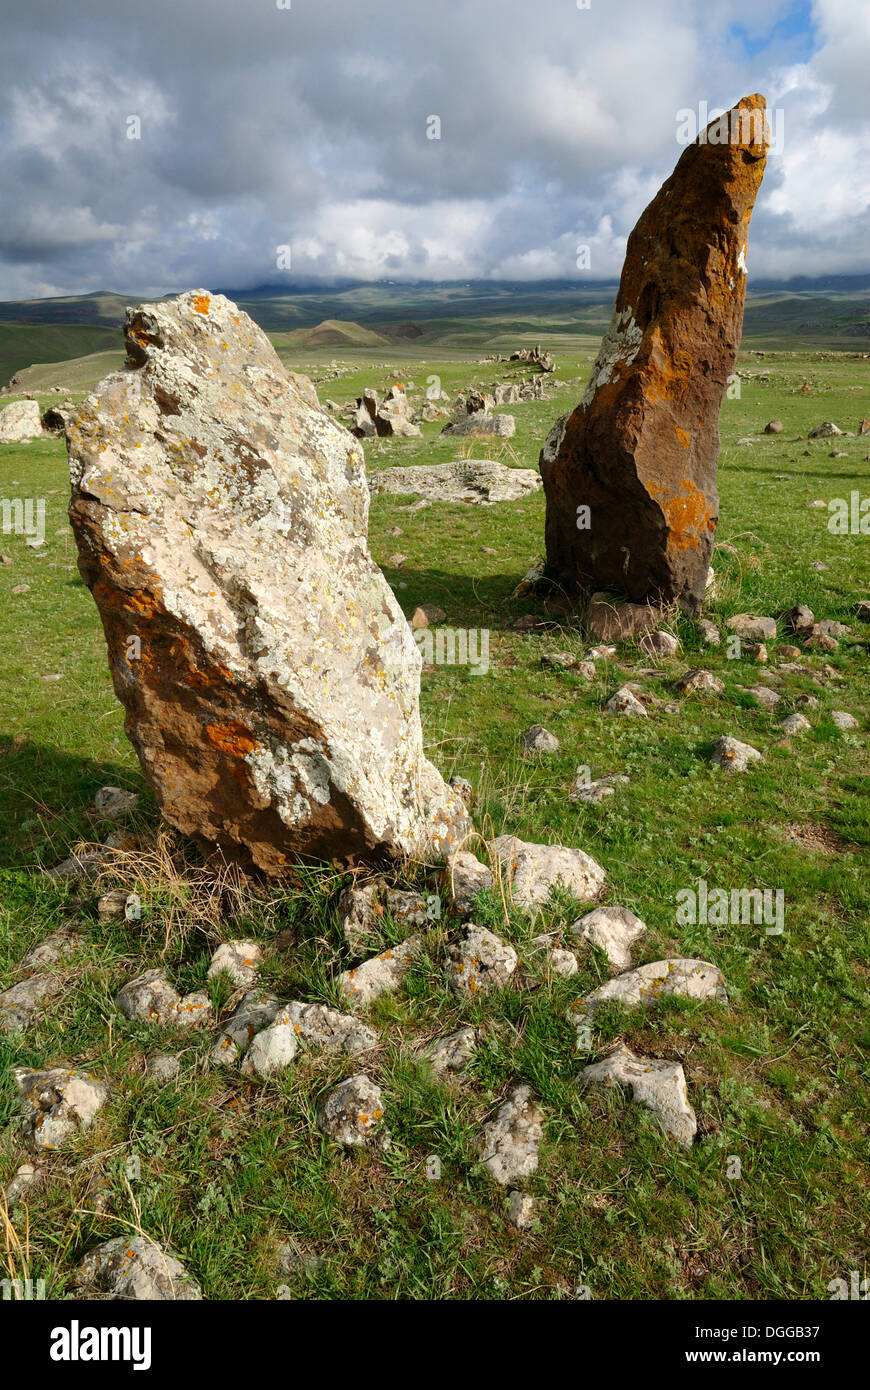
[307,127]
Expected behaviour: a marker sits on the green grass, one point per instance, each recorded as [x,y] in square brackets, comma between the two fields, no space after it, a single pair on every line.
[231,1168]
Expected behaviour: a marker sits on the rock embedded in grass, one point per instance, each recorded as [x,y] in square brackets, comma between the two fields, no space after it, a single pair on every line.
[463,878]
[272,1050]
[537,739]
[162,1067]
[614,930]
[321,1029]
[352,1113]
[56,1104]
[521,1210]
[763,695]
[477,961]
[451,1053]
[732,755]
[255,1012]
[658,1085]
[625,702]
[842,720]
[135,1268]
[597,791]
[532,870]
[709,632]
[795,724]
[688,978]
[509,1142]
[150,998]
[240,960]
[752,628]
[659,644]
[800,620]
[608,619]
[25,1004]
[363,913]
[381,974]
[699,682]
[111,803]
[55,947]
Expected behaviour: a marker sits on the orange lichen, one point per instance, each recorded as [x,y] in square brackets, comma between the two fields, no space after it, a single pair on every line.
[201,303]
[232,738]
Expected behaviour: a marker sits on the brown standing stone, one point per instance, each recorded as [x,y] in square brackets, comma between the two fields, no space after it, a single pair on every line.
[640,449]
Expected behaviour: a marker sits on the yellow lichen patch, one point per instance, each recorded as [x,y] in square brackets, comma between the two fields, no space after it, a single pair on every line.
[688,514]
[201,303]
[684,438]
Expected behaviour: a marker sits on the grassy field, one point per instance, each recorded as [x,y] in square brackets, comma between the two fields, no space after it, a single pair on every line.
[229,1169]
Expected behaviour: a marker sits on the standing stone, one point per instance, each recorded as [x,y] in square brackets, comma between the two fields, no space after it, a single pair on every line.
[641,448]
[270,679]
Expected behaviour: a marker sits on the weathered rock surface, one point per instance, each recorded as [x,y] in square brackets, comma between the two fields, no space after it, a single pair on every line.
[321,1029]
[641,448]
[537,739]
[692,979]
[465,480]
[352,1113]
[239,960]
[509,1143]
[56,1104]
[270,680]
[699,682]
[55,947]
[271,1050]
[732,755]
[660,644]
[111,803]
[532,870]
[478,961]
[363,913]
[795,724]
[608,619]
[382,974]
[464,877]
[20,422]
[614,930]
[482,423]
[256,1011]
[625,702]
[453,1052]
[24,1004]
[842,720]
[133,1267]
[660,1086]
[150,998]
[754,628]
[598,790]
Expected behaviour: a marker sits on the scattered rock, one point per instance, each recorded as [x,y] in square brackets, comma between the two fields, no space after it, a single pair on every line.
[614,930]
[710,632]
[352,1114]
[56,1104]
[465,877]
[111,803]
[596,791]
[690,979]
[699,682]
[826,430]
[427,613]
[660,1086]
[239,960]
[510,1141]
[481,423]
[843,720]
[609,620]
[25,1003]
[271,1050]
[382,974]
[800,620]
[774,427]
[256,1011]
[763,694]
[521,1210]
[162,1067]
[20,422]
[659,644]
[321,1029]
[478,961]
[732,755]
[26,1176]
[150,998]
[55,947]
[531,870]
[463,789]
[862,610]
[794,724]
[537,739]
[626,702]
[754,629]
[453,1052]
[789,652]
[363,913]
[134,1268]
